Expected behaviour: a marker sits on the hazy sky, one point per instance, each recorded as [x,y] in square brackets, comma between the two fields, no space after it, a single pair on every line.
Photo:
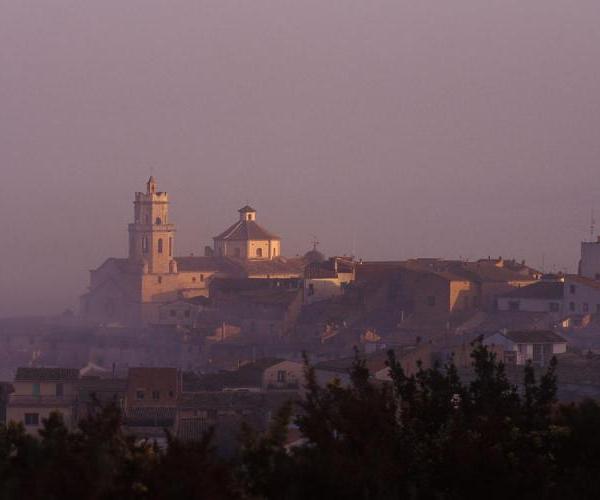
[397,128]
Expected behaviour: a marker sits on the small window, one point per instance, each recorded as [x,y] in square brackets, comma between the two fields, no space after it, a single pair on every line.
[311,289]
[145,244]
[431,301]
[60,390]
[572,306]
[32,418]
[170,394]
[160,245]
[139,394]
[259,252]
[586,307]
[514,305]
[193,279]
[173,313]
[598,276]
[187,313]
[202,277]
[35,389]
[155,395]
[158,221]
[170,247]
[280,375]
[572,289]
[159,279]
[554,306]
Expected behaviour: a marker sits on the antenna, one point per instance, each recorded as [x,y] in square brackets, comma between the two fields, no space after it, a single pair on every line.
[592,226]
[543,262]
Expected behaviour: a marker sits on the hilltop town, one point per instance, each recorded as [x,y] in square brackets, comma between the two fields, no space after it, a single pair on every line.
[188,342]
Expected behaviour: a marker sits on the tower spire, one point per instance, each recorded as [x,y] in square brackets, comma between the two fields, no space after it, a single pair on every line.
[151,185]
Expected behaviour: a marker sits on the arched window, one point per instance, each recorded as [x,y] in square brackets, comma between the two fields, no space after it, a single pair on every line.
[145,244]
[259,252]
[160,245]
[158,221]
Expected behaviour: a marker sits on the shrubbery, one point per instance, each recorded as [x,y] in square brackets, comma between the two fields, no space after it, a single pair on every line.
[428,436]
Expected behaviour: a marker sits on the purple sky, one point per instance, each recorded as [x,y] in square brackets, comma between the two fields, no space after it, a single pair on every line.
[400,128]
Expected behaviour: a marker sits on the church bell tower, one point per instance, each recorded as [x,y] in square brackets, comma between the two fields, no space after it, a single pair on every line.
[151,237]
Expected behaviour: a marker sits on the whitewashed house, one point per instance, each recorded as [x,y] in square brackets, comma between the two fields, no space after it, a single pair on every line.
[539,346]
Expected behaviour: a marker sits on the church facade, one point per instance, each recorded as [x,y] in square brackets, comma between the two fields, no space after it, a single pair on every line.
[131,291]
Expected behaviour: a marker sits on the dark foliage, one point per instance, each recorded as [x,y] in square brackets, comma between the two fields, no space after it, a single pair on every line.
[426,436]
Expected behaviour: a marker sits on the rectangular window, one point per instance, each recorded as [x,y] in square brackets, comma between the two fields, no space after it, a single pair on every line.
[280,375]
[586,307]
[311,289]
[155,395]
[572,306]
[35,389]
[32,418]
[554,306]
[572,289]
[170,247]
[514,305]
[60,390]
[187,313]
[139,394]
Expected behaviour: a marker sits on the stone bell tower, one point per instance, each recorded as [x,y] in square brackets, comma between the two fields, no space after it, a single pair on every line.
[151,237]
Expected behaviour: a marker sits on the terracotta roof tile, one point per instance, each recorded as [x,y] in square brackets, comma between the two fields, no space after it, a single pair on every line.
[26,374]
[244,230]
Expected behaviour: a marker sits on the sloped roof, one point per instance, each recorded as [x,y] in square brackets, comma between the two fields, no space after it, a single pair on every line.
[512,321]
[245,209]
[34,374]
[208,264]
[274,266]
[244,230]
[551,290]
[535,337]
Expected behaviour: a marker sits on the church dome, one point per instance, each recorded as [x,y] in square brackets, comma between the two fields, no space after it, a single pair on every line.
[314,256]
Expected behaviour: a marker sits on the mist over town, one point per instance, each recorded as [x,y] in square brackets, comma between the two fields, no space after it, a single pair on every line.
[295,250]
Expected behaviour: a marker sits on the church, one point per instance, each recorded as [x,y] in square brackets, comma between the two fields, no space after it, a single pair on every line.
[131,290]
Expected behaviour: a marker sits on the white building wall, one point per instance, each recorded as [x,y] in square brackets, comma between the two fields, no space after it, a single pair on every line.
[580,298]
[530,305]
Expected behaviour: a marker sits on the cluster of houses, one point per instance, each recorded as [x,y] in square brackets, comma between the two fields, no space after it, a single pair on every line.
[188,342]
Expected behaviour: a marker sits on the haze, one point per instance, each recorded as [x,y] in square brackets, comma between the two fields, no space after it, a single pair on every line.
[391,129]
